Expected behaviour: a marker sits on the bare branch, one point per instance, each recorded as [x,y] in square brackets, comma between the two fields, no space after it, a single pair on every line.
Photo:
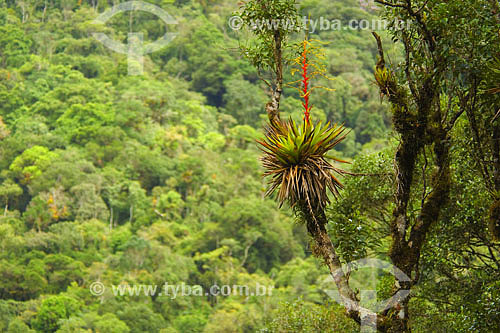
[388,4]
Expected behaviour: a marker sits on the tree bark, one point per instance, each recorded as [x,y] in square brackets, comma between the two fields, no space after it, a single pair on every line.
[324,249]
[272,107]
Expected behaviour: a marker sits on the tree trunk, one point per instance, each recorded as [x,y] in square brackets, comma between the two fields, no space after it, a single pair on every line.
[324,249]
[44,11]
[273,107]
[111,218]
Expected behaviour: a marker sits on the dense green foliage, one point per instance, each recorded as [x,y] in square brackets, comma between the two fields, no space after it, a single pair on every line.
[154,178]
[142,180]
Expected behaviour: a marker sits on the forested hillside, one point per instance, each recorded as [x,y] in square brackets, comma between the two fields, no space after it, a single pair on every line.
[155,178]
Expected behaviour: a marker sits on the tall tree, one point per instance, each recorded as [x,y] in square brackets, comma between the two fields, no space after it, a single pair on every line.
[429,91]
[295,155]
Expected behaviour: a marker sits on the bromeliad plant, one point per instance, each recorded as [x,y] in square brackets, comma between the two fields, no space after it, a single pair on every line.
[296,155]
[296,158]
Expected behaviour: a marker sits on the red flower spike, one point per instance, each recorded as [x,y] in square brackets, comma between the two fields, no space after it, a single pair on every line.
[305,82]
